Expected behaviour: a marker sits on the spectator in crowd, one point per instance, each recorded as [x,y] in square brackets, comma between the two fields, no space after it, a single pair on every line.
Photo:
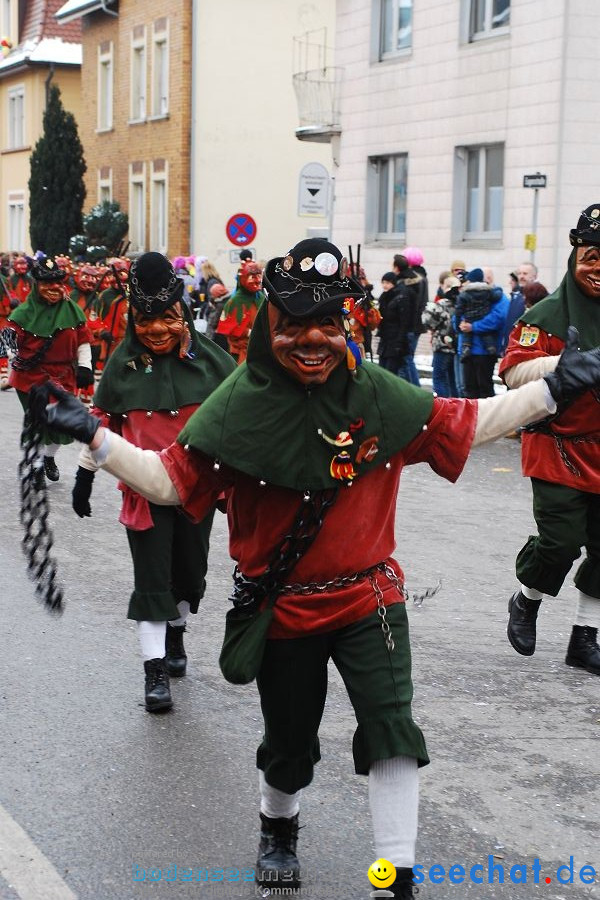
[413,281]
[526,273]
[395,310]
[533,293]
[473,303]
[478,365]
[437,317]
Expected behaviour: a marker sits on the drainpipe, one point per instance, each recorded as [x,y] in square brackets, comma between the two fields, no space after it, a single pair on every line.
[193,93]
[48,80]
[109,12]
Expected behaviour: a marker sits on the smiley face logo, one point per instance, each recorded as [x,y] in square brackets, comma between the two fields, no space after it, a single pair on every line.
[381,873]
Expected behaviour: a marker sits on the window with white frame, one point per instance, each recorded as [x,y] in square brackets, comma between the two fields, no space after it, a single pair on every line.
[159,207]
[138,73]
[387,185]
[160,68]
[16,221]
[395,27]
[16,117]
[137,207]
[479,196]
[104,184]
[487,17]
[105,86]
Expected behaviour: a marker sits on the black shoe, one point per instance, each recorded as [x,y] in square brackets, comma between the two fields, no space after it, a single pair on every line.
[51,469]
[158,692]
[403,887]
[521,623]
[175,656]
[583,651]
[277,864]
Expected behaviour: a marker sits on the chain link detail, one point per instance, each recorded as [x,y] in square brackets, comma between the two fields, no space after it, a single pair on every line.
[38,539]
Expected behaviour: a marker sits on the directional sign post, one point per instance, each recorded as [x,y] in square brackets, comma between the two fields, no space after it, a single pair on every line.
[313,191]
[241,229]
[536,182]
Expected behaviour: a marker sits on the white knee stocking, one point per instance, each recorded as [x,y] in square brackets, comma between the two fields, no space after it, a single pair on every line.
[275,804]
[394,801]
[183,608]
[588,611]
[51,450]
[531,593]
[152,639]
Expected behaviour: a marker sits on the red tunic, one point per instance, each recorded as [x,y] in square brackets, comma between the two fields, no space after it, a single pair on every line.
[578,427]
[59,362]
[153,431]
[362,518]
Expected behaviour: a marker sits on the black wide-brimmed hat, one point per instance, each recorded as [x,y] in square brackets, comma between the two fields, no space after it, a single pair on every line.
[47,270]
[588,228]
[311,280]
[153,284]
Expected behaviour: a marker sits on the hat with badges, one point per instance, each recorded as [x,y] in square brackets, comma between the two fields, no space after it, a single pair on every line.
[588,228]
[311,280]
[153,284]
[47,269]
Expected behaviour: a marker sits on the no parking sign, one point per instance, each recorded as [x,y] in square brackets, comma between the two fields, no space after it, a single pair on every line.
[241,229]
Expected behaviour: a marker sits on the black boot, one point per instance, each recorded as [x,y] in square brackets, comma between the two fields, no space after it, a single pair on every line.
[583,651]
[277,863]
[403,888]
[521,623]
[158,692]
[51,469]
[175,656]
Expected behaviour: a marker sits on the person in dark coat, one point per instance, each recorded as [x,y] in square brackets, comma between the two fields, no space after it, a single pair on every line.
[395,310]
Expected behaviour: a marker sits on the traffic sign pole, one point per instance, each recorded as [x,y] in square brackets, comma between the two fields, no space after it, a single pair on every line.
[536,182]
[536,203]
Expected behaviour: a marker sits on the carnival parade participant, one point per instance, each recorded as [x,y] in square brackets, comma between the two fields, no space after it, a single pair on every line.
[111,306]
[311,449]
[19,283]
[153,382]
[53,342]
[87,279]
[561,456]
[7,304]
[241,309]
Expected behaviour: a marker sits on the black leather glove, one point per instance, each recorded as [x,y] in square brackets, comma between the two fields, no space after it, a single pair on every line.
[85,377]
[13,303]
[82,491]
[68,415]
[106,336]
[577,371]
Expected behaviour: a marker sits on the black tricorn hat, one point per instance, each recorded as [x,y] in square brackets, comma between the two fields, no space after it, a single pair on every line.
[311,280]
[153,284]
[588,228]
[47,270]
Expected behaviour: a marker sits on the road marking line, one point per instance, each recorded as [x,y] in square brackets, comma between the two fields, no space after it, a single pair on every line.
[25,868]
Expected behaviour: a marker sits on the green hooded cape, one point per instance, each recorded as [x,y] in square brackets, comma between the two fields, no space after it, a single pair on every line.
[167,382]
[263,422]
[567,306]
[44,319]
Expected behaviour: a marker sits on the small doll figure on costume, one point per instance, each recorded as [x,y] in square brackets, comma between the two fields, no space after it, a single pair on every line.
[152,383]
[53,343]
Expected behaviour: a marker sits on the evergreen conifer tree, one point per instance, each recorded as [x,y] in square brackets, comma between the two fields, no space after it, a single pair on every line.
[56,187]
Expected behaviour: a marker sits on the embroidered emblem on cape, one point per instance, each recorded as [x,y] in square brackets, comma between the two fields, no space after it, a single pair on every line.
[529,336]
[343,439]
[342,468]
[367,450]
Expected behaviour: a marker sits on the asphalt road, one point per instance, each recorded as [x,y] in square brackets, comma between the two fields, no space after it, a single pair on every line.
[94,790]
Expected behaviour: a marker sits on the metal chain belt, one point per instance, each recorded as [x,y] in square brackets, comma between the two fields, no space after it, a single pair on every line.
[573,439]
[38,540]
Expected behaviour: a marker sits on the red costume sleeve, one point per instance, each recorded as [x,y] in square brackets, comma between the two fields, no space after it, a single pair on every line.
[446,440]
[198,484]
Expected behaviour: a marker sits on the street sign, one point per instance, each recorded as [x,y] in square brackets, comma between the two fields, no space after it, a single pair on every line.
[234,255]
[241,229]
[535,181]
[313,190]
